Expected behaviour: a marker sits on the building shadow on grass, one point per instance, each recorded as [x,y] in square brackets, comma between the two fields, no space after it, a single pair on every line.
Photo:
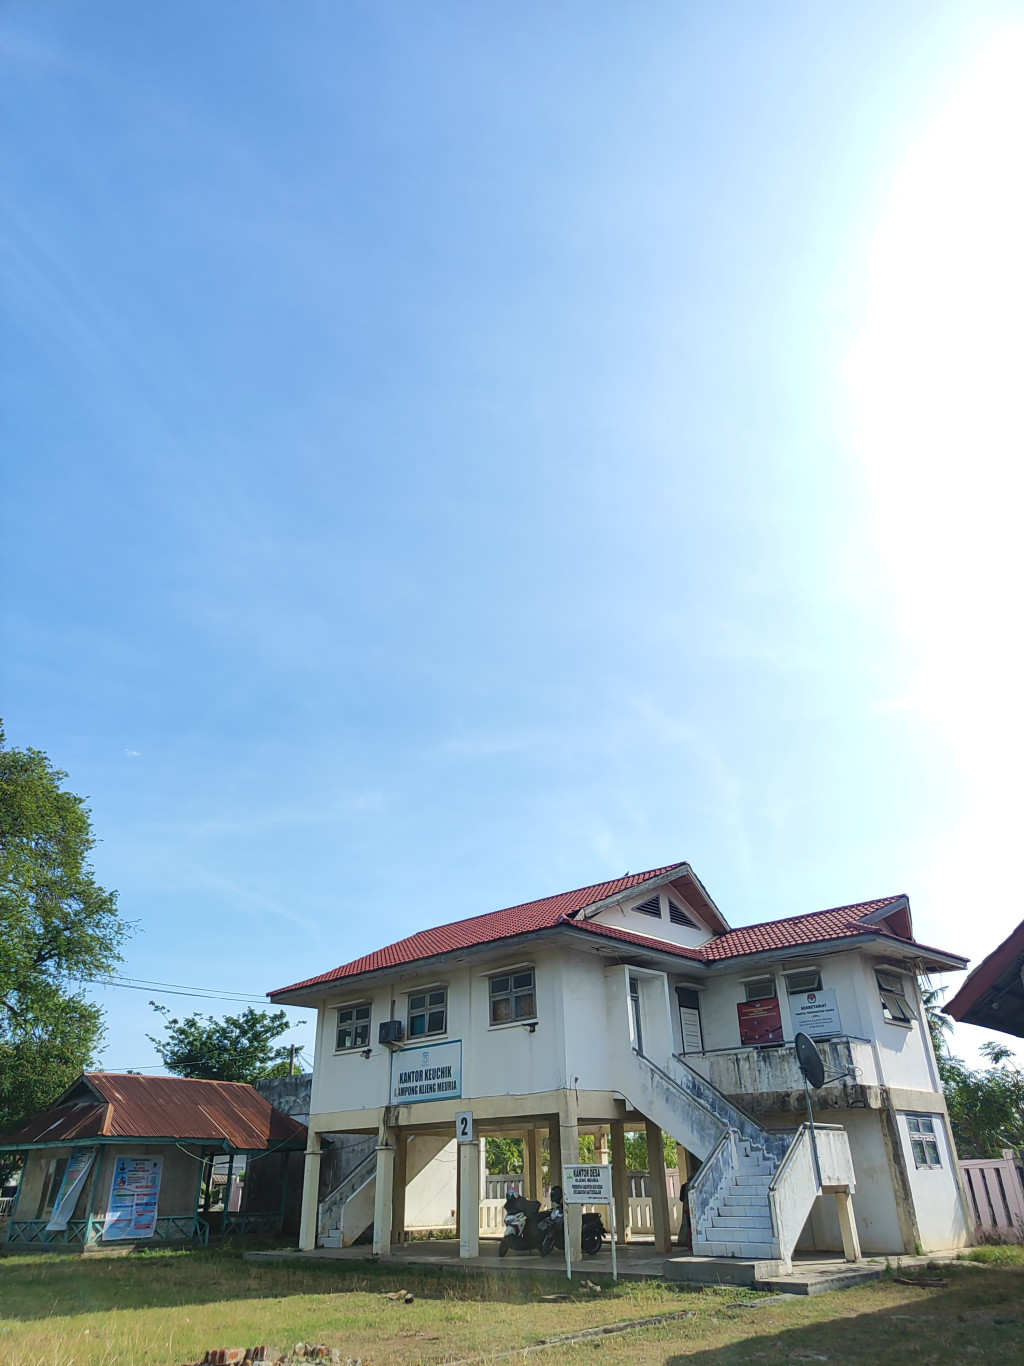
[979,1317]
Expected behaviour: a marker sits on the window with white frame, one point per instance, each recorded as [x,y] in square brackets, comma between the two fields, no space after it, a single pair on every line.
[923,1142]
[892,990]
[806,979]
[759,988]
[428,1012]
[353,1026]
[513,997]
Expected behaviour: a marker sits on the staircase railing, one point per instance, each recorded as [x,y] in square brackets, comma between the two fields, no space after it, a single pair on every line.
[702,1190]
[794,1186]
[699,1091]
[333,1203]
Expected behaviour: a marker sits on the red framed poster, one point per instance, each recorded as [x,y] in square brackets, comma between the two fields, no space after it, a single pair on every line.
[760,1021]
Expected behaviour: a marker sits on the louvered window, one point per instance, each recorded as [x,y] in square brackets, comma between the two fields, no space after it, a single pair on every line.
[689,1019]
[895,1006]
[678,916]
[797,983]
[652,906]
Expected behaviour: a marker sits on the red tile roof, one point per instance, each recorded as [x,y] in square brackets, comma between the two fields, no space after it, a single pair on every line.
[125,1105]
[818,927]
[814,928]
[484,929]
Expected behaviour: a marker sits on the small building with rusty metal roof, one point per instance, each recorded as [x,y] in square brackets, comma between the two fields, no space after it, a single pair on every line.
[122,1158]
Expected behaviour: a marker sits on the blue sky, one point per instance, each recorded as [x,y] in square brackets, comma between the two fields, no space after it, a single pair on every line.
[456,453]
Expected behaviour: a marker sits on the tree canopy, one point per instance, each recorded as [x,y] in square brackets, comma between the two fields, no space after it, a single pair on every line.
[58,928]
[986,1105]
[236,1048]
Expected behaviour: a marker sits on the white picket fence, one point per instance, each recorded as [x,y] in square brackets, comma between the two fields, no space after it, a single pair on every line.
[641,1216]
[997,1196]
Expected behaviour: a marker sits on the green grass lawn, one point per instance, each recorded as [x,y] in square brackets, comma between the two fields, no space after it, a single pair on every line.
[164,1308]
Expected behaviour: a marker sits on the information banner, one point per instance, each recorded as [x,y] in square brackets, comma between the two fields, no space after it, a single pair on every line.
[587,1185]
[427,1072]
[70,1188]
[816,1013]
[760,1021]
[134,1189]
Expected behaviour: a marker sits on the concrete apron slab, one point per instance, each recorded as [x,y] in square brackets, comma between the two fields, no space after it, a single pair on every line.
[635,1263]
[809,1276]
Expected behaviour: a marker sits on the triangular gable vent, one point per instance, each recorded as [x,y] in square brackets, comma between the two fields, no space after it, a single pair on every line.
[652,906]
[678,916]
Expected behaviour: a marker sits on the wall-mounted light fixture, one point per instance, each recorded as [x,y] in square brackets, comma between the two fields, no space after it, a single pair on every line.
[367,1052]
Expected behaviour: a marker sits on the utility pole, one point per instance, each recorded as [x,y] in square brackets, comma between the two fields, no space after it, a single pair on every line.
[291,1061]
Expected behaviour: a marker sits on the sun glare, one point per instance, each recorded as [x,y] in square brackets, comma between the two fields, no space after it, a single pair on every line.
[936,378]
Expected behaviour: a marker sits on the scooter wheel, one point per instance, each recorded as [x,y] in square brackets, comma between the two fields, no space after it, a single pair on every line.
[546,1244]
[591,1244]
[503,1247]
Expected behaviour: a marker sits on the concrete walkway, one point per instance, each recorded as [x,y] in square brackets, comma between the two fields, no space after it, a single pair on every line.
[812,1273]
[637,1261]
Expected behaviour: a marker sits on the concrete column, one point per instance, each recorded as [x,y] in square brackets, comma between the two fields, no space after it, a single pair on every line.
[848,1226]
[901,1188]
[620,1182]
[659,1189]
[310,1194]
[569,1156]
[601,1147]
[399,1182]
[383,1195]
[469,1198]
[534,1161]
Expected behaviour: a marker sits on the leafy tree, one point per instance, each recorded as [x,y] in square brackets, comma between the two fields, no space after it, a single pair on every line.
[58,928]
[504,1156]
[986,1106]
[938,1023]
[237,1048]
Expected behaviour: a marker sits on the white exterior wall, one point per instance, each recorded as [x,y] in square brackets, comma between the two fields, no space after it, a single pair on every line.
[496,1060]
[940,1214]
[904,1052]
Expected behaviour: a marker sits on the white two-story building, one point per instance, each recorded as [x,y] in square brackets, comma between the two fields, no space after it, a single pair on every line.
[631,1005]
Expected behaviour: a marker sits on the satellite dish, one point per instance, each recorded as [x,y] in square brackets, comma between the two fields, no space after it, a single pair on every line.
[809,1060]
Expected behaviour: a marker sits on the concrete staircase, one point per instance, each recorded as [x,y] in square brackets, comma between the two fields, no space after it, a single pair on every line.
[737,1222]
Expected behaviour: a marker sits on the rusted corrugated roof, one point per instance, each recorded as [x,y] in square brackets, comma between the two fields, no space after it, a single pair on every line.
[125,1105]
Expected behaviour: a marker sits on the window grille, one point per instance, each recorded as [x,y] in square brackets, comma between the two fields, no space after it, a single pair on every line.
[428,1013]
[678,916]
[652,906]
[923,1143]
[513,997]
[354,1026]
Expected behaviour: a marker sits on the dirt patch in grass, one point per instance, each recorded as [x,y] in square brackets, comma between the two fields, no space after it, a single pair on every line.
[166,1308]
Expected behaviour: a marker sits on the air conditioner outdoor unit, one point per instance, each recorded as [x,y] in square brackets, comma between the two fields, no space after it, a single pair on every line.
[392,1032]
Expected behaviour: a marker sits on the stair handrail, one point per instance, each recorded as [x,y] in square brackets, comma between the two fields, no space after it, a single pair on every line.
[343,1192]
[748,1126]
[716,1166]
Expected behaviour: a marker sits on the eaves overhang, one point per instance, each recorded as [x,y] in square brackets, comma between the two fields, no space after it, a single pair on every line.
[929,959]
[313,994]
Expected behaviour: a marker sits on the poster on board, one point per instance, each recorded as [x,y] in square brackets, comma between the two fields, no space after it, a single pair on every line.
[816,1013]
[760,1021]
[70,1189]
[134,1189]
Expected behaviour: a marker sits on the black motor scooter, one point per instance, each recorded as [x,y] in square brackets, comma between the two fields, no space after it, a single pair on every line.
[553,1228]
[524,1226]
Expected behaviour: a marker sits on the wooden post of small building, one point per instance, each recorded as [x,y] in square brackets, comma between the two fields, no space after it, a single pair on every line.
[659,1189]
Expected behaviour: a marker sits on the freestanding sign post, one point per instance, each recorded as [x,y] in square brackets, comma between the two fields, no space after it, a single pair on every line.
[589,1186]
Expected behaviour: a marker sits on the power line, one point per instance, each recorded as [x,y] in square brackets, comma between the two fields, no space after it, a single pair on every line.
[162,989]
